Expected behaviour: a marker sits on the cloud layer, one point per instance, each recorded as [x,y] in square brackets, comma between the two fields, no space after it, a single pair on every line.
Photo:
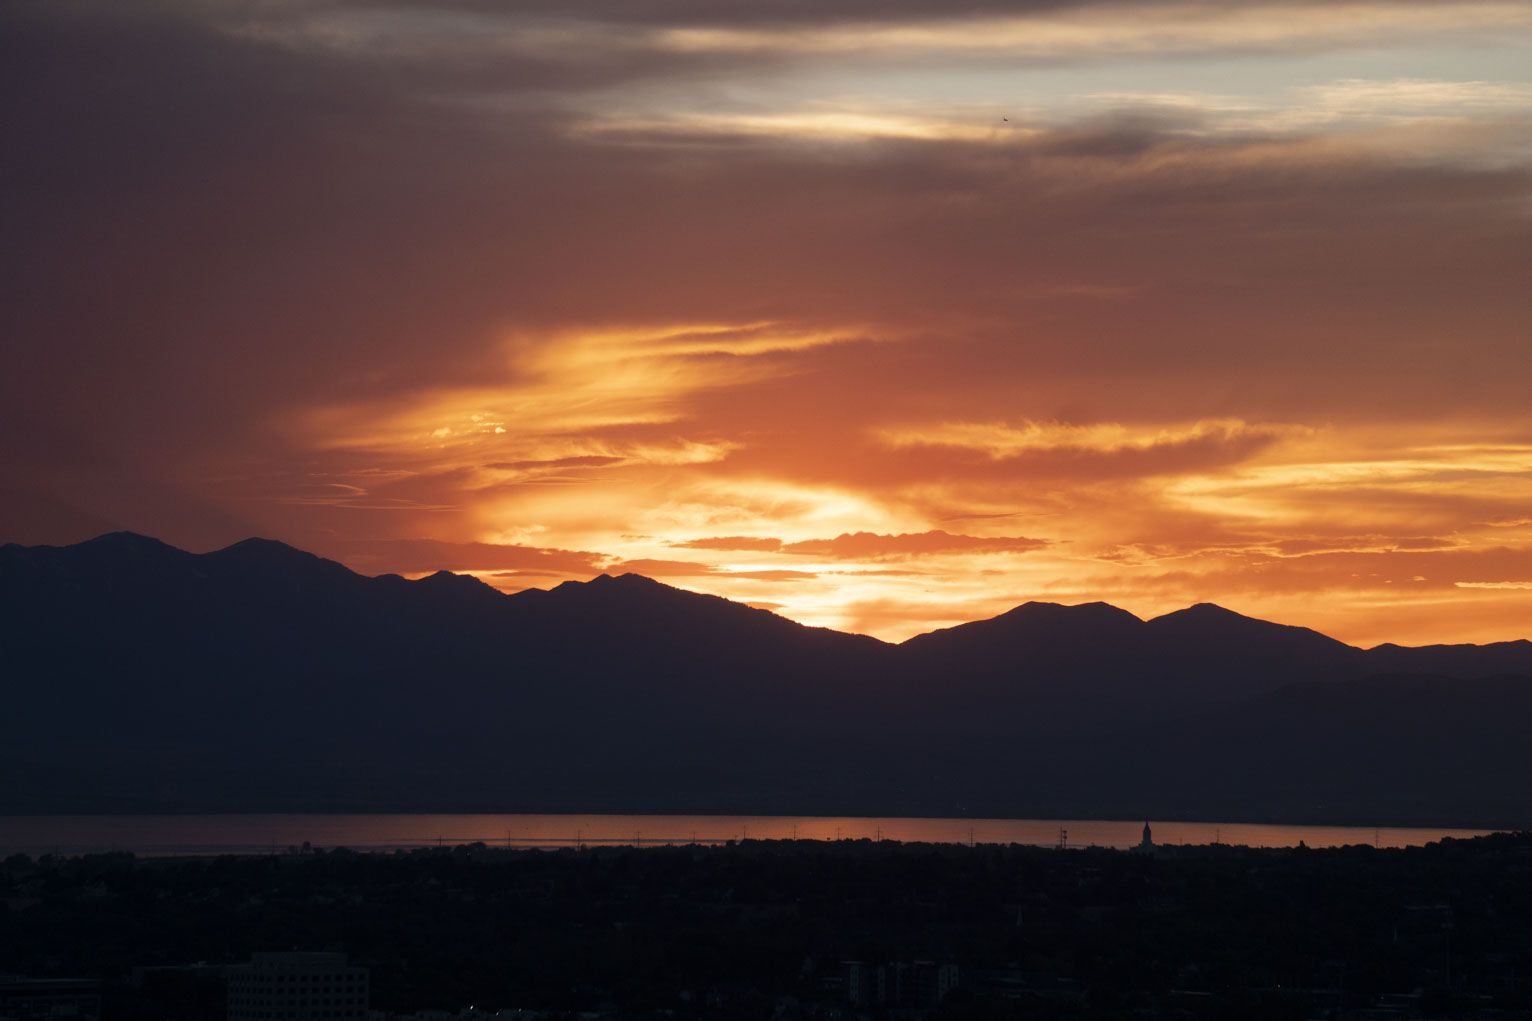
[891,318]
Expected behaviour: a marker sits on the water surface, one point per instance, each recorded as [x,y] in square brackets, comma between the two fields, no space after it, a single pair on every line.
[264,834]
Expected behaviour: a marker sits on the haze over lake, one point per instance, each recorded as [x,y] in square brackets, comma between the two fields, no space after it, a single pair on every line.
[260,833]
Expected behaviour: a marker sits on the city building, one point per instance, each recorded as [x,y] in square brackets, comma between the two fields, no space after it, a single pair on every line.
[297,986]
[28,998]
[898,983]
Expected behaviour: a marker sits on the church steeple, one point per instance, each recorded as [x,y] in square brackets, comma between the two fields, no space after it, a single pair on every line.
[1147,844]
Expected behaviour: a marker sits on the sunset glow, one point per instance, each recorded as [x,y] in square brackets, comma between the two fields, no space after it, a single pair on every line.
[883,317]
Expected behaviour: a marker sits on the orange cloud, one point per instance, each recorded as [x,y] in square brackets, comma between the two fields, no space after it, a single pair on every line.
[578,461]
[732,543]
[871,546]
[689,569]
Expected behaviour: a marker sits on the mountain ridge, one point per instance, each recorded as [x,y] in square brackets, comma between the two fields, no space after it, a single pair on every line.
[260,548]
[262,677]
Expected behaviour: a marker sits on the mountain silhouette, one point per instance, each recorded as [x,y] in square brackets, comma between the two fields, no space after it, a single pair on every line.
[1205,652]
[262,677]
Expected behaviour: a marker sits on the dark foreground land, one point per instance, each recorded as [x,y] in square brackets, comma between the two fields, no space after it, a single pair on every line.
[763,929]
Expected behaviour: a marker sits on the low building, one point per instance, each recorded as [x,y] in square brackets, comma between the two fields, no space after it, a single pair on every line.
[898,983]
[297,986]
[28,999]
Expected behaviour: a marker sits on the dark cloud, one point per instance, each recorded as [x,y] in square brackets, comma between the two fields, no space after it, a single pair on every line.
[300,227]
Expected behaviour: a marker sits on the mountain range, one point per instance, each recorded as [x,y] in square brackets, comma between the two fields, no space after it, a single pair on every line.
[140,677]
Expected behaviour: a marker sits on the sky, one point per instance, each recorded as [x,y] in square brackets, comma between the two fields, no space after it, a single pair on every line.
[885,316]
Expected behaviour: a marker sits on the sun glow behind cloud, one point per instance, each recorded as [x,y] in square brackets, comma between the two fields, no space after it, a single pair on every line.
[608,453]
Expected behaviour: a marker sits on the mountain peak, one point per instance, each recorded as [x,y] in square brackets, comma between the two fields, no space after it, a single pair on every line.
[272,559]
[121,548]
[125,540]
[1206,612]
[1211,608]
[625,578]
[1211,625]
[616,583]
[1097,606]
[444,579]
[636,581]
[256,544]
[1061,613]
[1052,623]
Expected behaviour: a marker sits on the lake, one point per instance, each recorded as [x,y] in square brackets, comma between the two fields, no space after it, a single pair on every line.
[263,834]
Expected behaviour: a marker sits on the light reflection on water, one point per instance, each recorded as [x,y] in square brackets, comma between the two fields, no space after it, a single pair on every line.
[264,834]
